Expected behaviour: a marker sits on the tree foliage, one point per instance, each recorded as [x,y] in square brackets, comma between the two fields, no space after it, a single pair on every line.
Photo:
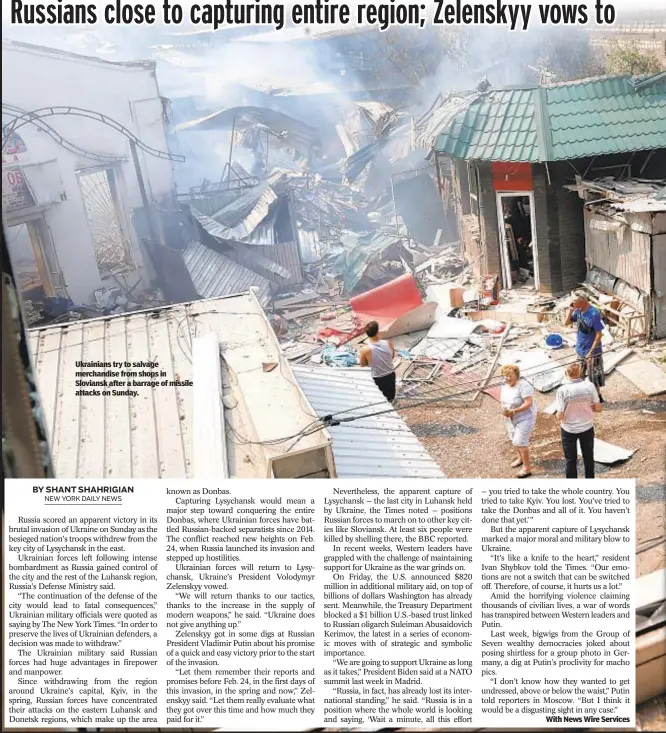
[567,55]
[627,58]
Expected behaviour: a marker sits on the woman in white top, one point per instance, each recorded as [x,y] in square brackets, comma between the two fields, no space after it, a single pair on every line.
[519,409]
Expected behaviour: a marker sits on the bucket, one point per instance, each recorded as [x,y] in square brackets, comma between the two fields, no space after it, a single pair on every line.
[554,341]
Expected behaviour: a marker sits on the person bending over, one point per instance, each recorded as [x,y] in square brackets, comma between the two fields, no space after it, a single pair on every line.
[378,355]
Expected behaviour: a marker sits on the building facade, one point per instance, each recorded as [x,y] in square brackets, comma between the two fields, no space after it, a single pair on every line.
[70,179]
[513,153]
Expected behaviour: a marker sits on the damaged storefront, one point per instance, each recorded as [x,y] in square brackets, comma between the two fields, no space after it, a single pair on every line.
[514,151]
[77,160]
[625,250]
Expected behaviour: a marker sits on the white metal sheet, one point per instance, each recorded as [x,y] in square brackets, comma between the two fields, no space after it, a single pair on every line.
[151,435]
[373,446]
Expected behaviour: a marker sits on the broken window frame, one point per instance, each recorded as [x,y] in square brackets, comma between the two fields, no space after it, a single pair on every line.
[112,178]
[43,249]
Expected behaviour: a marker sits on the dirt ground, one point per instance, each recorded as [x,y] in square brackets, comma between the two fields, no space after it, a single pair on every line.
[629,420]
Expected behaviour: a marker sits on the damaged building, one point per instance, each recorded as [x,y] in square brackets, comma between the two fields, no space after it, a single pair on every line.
[513,151]
[70,181]
[625,250]
[234,406]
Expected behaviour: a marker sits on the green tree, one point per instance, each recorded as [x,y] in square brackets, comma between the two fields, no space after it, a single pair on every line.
[627,58]
[567,55]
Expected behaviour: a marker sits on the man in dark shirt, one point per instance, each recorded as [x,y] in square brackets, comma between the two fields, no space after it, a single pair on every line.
[588,339]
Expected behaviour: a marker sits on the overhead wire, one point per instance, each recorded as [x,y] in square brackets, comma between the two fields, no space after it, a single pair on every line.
[333,419]
[428,396]
[443,393]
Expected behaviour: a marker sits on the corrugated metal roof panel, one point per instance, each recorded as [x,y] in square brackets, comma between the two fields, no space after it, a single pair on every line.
[310,246]
[370,447]
[214,275]
[611,114]
[150,434]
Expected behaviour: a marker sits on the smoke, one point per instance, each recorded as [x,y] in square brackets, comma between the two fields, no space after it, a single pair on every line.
[320,82]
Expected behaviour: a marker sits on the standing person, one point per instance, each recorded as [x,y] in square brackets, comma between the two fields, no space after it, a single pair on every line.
[577,402]
[518,407]
[588,339]
[378,355]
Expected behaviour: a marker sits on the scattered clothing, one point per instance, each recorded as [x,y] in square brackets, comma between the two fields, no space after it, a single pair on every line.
[520,426]
[589,325]
[386,385]
[570,447]
[343,356]
[575,401]
[381,359]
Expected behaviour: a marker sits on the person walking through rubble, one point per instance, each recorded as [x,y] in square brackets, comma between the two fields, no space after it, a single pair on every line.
[577,401]
[378,355]
[519,409]
[588,339]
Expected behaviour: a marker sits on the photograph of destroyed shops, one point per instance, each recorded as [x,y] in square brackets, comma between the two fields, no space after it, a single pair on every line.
[420,253]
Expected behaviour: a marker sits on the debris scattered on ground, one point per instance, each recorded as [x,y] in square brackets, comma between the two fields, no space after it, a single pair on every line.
[444,430]
[609,454]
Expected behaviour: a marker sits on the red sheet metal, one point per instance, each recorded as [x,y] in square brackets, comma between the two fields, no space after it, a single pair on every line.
[388,302]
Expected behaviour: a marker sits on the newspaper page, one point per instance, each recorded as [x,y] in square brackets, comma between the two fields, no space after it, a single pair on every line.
[334,367]
[372,604]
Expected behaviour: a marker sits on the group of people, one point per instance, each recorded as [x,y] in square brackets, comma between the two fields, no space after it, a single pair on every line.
[577,400]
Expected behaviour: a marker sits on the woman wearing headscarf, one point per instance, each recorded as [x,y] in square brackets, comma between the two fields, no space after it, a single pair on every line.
[519,409]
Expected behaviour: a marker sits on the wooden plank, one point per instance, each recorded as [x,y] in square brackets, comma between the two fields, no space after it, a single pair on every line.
[646,375]
[210,449]
[614,358]
[293,315]
[296,300]
[491,369]
[181,335]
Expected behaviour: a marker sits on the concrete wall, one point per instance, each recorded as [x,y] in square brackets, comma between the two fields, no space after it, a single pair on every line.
[35,77]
